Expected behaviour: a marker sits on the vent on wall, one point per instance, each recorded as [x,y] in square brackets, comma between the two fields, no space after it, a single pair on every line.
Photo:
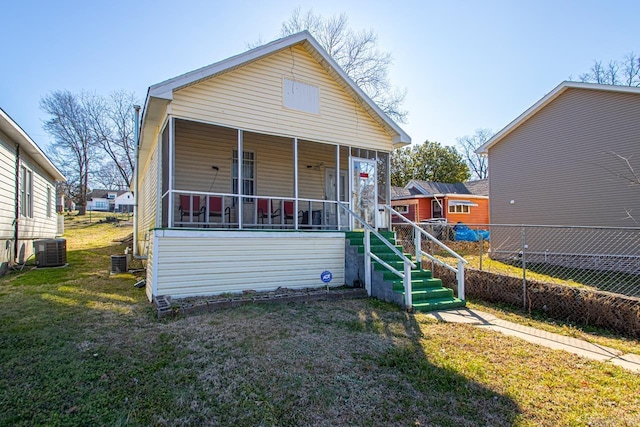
[50,252]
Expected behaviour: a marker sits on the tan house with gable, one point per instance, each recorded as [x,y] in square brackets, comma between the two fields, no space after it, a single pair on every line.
[242,165]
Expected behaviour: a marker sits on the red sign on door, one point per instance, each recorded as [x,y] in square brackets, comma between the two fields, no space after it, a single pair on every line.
[364,175]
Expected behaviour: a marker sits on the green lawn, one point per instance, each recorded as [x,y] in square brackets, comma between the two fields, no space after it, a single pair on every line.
[81,347]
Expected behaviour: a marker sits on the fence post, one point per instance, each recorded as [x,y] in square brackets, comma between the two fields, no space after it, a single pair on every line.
[367,260]
[417,243]
[524,267]
[460,279]
[481,249]
[408,298]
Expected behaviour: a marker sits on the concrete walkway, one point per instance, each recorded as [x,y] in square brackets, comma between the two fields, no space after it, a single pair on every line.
[548,339]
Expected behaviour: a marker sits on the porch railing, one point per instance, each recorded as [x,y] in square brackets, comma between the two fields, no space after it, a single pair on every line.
[198,209]
[418,233]
[405,275]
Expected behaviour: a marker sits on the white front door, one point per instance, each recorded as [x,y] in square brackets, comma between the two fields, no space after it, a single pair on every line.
[364,191]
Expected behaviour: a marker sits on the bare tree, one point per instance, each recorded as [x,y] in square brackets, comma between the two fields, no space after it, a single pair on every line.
[74,145]
[107,176]
[357,53]
[478,164]
[625,72]
[112,124]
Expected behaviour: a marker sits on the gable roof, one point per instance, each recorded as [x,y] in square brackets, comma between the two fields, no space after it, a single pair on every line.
[399,192]
[419,189]
[163,91]
[556,92]
[27,145]
[103,194]
[429,188]
[479,187]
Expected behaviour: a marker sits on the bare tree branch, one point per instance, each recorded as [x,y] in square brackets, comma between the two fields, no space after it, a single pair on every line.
[478,165]
[357,53]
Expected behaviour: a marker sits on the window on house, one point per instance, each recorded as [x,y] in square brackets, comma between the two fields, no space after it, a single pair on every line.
[436,209]
[26,192]
[459,209]
[402,208]
[48,202]
[248,173]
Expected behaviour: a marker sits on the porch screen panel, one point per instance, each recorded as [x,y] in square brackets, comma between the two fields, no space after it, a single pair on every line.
[165,176]
[248,172]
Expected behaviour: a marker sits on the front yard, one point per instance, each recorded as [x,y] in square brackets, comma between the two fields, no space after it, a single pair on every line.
[81,347]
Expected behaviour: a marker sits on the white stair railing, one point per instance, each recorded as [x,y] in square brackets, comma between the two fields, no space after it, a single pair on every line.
[405,275]
[418,233]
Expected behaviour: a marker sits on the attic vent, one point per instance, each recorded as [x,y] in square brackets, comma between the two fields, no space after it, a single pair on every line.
[301,96]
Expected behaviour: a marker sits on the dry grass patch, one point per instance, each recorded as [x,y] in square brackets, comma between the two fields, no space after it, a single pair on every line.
[81,347]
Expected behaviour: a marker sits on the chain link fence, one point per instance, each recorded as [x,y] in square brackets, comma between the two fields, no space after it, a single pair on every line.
[587,274]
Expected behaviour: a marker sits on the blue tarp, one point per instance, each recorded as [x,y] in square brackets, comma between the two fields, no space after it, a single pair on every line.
[465,234]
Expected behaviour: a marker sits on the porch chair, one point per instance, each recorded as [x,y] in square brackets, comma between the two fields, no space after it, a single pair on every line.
[215,209]
[289,208]
[263,211]
[190,209]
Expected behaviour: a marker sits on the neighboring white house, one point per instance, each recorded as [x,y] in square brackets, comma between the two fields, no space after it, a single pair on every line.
[110,201]
[99,204]
[124,202]
[27,193]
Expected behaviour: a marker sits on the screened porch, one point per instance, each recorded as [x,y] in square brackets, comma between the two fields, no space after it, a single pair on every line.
[286,183]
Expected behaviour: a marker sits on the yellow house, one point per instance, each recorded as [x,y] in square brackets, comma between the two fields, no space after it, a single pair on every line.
[245,168]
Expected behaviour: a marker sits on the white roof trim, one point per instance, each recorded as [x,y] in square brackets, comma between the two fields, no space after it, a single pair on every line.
[9,127]
[164,90]
[461,203]
[557,91]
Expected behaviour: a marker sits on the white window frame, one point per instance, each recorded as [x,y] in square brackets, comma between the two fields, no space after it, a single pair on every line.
[459,209]
[247,164]
[49,202]
[401,208]
[26,192]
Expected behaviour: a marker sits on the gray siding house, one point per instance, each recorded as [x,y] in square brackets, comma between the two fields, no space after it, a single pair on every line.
[573,158]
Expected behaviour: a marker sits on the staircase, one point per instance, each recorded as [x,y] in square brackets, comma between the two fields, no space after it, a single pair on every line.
[427,292]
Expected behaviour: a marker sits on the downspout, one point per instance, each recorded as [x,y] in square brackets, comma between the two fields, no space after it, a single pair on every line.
[136,252]
[16,221]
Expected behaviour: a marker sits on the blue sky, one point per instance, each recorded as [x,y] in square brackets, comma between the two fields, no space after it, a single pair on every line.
[465,64]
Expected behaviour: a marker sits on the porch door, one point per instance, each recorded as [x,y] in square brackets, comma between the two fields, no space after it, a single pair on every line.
[364,191]
[330,186]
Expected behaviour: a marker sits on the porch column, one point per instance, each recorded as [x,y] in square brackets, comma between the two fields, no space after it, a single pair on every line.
[295,183]
[172,139]
[240,178]
[338,210]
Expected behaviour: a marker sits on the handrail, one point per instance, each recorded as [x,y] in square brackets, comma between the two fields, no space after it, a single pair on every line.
[427,235]
[408,264]
[419,252]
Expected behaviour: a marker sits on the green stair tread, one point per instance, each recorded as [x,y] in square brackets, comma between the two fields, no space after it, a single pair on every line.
[439,304]
[426,295]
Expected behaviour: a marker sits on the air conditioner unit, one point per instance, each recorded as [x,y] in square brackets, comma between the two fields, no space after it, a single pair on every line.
[50,252]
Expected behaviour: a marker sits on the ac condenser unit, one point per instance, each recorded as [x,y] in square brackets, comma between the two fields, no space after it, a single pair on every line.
[50,252]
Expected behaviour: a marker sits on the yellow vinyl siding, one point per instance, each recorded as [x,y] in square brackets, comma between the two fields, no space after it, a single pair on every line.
[215,263]
[148,197]
[200,146]
[251,98]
